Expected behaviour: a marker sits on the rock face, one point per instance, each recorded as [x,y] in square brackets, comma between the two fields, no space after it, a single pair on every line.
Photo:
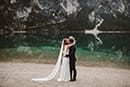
[62,14]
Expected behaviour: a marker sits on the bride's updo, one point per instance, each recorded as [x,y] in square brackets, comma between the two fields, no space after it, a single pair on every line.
[65,41]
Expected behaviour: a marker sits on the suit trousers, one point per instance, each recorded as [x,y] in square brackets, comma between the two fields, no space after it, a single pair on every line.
[73,71]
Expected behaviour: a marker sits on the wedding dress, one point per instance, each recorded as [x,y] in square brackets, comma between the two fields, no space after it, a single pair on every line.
[64,67]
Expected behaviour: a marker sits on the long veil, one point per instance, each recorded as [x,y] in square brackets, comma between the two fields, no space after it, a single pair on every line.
[56,68]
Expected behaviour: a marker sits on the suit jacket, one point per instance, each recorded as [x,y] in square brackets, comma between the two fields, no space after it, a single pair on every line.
[72,52]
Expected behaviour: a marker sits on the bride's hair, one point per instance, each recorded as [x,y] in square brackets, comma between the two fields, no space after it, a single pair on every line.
[65,42]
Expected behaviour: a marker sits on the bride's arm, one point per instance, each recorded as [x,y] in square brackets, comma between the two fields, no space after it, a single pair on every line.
[71,44]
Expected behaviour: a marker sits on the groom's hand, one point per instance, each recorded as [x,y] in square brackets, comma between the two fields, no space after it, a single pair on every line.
[66,55]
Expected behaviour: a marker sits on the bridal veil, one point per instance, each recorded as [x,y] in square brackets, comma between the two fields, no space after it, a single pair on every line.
[55,69]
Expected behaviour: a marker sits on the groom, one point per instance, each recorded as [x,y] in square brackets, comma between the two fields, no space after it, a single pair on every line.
[72,58]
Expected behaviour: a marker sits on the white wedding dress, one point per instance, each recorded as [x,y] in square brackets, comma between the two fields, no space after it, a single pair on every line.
[64,72]
[65,69]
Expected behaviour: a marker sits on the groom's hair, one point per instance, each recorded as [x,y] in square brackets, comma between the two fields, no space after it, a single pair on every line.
[71,39]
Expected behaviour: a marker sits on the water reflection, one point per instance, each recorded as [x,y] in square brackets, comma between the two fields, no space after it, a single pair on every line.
[49,38]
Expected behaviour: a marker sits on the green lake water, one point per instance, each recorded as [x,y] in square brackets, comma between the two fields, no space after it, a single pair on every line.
[115,47]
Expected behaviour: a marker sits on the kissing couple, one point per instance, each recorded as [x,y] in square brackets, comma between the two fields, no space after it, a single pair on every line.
[66,62]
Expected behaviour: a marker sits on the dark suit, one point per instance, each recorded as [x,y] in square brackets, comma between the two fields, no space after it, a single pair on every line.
[72,58]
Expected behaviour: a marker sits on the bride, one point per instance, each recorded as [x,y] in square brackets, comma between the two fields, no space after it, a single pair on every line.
[65,69]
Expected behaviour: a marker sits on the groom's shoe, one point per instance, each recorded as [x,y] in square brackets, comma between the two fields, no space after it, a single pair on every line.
[73,80]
